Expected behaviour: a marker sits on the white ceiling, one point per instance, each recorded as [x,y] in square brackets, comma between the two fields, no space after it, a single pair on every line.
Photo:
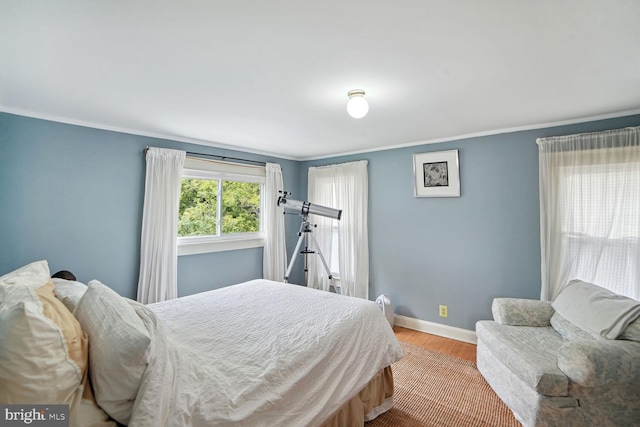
[273,76]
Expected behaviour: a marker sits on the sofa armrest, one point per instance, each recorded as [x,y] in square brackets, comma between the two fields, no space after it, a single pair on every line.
[522,312]
[598,362]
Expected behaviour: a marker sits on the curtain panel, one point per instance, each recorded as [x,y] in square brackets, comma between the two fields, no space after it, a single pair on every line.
[158,280]
[343,186]
[590,211]
[274,259]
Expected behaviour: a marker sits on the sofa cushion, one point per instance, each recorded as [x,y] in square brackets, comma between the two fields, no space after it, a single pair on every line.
[632,332]
[595,363]
[568,330]
[521,312]
[529,352]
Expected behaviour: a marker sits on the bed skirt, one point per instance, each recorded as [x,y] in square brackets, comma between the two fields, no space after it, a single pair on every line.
[374,399]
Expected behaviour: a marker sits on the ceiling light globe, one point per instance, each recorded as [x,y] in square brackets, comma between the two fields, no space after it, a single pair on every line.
[357,107]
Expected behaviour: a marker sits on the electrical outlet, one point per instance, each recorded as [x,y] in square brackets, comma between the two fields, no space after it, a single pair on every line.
[444,311]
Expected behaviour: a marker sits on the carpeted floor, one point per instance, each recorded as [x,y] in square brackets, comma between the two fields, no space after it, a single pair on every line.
[438,390]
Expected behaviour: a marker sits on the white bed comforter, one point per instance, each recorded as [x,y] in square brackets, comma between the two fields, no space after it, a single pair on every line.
[260,353]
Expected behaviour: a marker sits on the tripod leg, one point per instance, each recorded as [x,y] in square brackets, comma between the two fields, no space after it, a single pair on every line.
[293,257]
[326,267]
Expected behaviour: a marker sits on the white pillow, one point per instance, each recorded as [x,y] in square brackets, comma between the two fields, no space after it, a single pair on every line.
[118,350]
[69,292]
[33,275]
[43,350]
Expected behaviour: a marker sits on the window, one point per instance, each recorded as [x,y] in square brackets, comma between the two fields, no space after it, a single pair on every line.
[220,206]
[600,232]
[590,211]
[344,243]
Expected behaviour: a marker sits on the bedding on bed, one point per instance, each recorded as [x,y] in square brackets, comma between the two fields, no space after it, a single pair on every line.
[260,353]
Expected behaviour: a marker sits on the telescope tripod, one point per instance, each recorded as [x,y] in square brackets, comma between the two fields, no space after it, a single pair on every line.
[303,236]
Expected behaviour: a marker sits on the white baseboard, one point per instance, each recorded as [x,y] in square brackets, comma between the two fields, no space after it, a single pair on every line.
[445,331]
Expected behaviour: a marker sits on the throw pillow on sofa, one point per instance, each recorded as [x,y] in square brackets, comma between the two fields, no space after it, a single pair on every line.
[596,310]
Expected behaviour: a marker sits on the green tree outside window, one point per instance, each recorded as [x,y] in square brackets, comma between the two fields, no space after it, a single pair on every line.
[198,212]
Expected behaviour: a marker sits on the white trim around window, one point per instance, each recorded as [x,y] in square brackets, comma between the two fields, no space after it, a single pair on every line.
[206,244]
[211,169]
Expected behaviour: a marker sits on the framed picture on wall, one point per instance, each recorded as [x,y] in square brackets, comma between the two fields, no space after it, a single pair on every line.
[436,174]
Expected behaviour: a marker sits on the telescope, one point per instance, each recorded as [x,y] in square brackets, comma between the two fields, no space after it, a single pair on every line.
[306,231]
[306,208]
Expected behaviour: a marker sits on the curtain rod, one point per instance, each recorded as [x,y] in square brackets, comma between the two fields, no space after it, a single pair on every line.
[237,159]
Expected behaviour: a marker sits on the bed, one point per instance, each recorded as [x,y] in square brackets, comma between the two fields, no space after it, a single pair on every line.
[259,353]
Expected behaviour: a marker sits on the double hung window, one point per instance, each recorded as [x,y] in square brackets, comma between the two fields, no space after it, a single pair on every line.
[344,243]
[600,228]
[220,206]
[590,211]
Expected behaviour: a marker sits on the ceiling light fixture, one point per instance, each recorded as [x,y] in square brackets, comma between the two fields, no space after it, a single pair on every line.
[357,106]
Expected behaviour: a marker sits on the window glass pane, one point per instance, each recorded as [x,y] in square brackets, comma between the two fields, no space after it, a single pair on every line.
[240,207]
[599,225]
[197,213]
[603,201]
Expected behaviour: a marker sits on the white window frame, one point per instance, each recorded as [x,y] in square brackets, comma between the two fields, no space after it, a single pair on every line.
[212,169]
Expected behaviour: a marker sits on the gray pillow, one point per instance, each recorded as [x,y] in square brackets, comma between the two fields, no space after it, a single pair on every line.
[570,332]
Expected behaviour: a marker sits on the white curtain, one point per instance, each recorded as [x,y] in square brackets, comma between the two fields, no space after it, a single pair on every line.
[590,211]
[274,259]
[158,279]
[343,186]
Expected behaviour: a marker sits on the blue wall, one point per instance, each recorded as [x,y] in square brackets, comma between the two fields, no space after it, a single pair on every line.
[460,252]
[73,196]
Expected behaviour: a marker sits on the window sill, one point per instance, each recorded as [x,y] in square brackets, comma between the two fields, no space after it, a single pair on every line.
[219,245]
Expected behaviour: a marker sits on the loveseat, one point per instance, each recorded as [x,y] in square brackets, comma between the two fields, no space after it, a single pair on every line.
[573,362]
